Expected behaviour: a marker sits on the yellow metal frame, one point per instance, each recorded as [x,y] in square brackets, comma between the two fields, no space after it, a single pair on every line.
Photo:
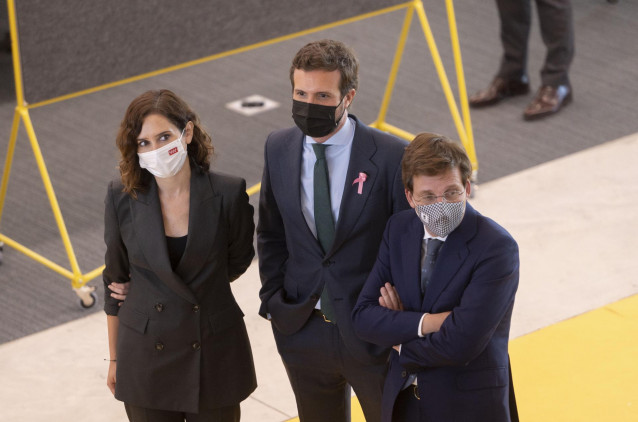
[464,124]
[79,279]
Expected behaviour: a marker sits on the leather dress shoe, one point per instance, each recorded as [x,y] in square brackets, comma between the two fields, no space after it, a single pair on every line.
[549,100]
[499,89]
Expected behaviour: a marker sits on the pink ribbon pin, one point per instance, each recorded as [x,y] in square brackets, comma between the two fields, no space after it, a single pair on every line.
[362,178]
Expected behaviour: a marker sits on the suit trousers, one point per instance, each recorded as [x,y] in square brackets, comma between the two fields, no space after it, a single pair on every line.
[557,32]
[406,406]
[321,371]
[222,414]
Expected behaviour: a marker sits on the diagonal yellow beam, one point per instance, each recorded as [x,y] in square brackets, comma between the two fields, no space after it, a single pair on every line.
[396,63]
[460,78]
[9,160]
[48,187]
[440,70]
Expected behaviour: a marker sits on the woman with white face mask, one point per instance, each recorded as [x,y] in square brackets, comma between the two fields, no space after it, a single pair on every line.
[180,233]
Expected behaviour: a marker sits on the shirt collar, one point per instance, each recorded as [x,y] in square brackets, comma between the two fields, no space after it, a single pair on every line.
[343,136]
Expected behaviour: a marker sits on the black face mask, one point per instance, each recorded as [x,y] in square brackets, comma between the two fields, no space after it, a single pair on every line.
[315,120]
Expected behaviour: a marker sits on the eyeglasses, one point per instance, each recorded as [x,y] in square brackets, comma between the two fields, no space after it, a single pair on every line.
[449,196]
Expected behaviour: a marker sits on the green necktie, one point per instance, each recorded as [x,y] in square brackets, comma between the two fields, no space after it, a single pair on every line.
[324,223]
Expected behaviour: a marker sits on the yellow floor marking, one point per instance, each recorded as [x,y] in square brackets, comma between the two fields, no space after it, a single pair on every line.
[582,369]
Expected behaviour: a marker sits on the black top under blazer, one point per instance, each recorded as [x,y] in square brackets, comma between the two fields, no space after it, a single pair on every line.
[182,342]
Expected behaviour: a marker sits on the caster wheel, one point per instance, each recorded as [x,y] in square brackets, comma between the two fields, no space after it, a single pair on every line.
[92,300]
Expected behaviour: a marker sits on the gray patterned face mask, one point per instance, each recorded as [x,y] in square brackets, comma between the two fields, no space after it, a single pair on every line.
[441,218]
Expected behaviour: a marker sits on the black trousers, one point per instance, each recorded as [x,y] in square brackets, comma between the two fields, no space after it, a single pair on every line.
[142,414]
[557,32]
[406,406]
[321,371]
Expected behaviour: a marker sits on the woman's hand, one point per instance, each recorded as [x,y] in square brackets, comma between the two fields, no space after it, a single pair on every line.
[110,377]
[120,290]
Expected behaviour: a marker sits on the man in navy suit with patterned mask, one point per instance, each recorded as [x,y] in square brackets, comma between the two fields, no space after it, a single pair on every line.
[441,293]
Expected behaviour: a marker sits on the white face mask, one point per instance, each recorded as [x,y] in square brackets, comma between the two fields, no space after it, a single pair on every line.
[165,161]
[441,218]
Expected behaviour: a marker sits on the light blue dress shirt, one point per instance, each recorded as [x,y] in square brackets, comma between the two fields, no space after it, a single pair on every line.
[338,158]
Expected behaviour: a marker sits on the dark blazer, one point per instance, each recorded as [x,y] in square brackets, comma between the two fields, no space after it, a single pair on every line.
[292,264]
[181,336]
[463,369]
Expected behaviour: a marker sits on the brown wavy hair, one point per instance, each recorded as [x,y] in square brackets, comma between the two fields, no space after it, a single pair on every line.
[328,55]
[431,154]
[169,105]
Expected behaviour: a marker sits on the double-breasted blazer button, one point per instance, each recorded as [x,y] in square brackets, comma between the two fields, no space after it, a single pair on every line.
[314,297]
[159,307]
[404,374]
[196,308]
[159,346]
[196,345]
[326,263]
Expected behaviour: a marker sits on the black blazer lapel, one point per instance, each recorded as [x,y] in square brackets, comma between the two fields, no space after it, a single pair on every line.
[203,221]
[149,227]
[353,202]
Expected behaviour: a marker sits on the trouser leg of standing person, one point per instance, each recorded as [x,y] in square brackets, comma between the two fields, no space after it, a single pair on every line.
[367,382]
[557,31]
[515,21]
[143,414]
[406,406]
[222,414]
[320,368]
[511,79]
[311,357]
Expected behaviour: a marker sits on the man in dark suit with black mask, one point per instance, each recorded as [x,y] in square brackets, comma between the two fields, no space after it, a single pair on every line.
[329,185]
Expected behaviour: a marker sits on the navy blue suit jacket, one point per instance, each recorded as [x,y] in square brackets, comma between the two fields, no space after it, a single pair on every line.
[463,369]
[292,264]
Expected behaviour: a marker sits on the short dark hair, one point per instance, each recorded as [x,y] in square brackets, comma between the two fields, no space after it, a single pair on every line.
[169,105]
[328,55]
[431,154]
